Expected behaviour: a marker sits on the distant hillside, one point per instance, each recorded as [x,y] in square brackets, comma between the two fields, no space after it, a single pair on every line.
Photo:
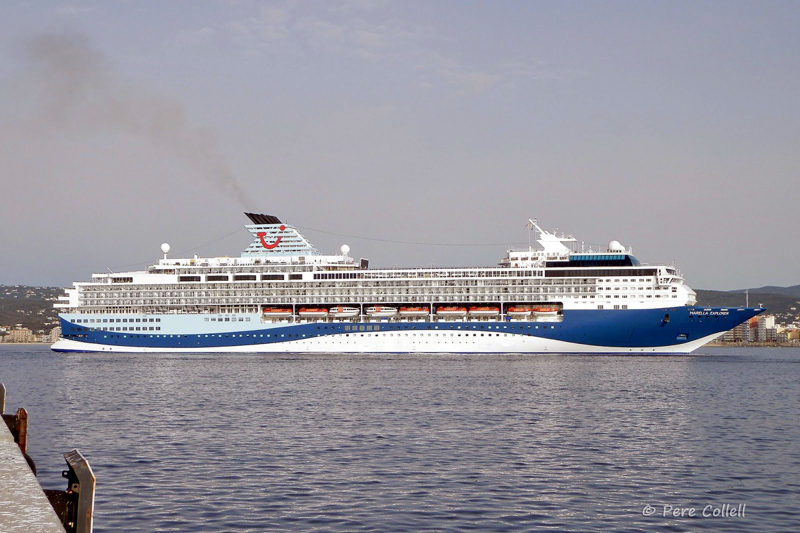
[793,291]
[30,306]
[783,302]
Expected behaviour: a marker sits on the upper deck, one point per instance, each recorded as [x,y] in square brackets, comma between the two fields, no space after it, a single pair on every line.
[280,266]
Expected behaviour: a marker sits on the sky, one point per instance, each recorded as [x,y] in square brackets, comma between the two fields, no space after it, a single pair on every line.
[417,132]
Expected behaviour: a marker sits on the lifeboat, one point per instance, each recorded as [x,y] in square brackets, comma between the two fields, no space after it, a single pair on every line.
[545,311]
[518,312]
[451,311]
[343,312]
[413,311]
[277,312]
[312,312]
[380,311]
[483,311]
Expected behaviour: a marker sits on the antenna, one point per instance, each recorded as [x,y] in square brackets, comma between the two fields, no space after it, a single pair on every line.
[529,225]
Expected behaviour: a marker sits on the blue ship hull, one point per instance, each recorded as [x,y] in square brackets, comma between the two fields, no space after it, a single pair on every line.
[668,330]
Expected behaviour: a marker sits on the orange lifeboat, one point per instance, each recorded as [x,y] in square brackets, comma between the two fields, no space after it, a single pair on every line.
[451,311]
[277,312]
[518,312]
[313,312]
[413,311]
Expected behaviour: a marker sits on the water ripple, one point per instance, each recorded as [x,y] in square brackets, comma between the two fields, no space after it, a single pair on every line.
[440,442]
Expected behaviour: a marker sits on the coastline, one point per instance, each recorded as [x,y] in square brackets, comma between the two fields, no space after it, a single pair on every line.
[720,344]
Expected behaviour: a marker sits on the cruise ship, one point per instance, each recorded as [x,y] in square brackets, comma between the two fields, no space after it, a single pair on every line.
[283,295]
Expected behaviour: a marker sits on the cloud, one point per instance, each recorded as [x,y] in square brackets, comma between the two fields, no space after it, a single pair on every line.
[366,31]
[194,38]
[73,11]
[360,5]
[472,82]
[328,31]
[459,80]
[369,39]
[273,23]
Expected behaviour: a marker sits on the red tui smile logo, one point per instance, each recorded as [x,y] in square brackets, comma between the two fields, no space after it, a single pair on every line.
[262,234]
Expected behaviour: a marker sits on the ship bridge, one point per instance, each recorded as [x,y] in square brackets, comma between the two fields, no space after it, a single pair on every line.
[596,260]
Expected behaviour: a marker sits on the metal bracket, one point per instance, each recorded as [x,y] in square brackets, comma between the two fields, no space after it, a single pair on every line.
[75,506]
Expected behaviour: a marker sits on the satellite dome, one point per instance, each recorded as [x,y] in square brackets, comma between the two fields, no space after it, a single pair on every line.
[615,246]
[344,249]
[165,248]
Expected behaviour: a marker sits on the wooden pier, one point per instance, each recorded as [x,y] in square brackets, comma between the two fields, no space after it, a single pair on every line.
[24,506]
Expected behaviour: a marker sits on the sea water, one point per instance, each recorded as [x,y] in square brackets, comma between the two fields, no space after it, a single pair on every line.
[242,442]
